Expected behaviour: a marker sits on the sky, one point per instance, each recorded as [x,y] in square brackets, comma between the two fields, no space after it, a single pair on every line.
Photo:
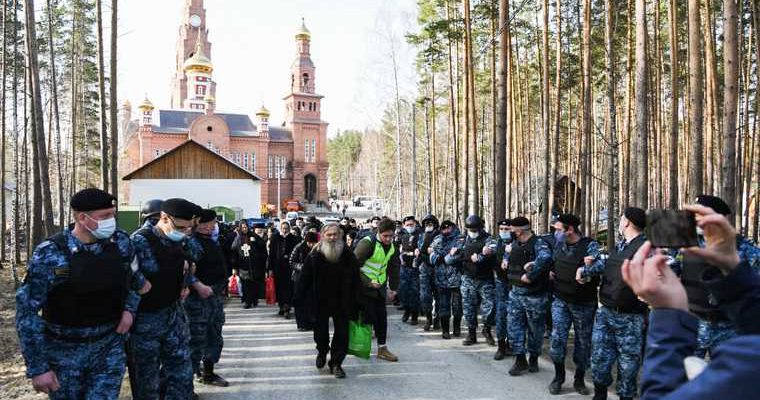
[253,46]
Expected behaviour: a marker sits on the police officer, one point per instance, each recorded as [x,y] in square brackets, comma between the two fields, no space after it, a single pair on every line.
[428,291]
[528,270]
[577,265]
[477,279]
[82,282]
[448,277]
[501,289]
[151,211]
[714,326]
[409,275]
[206,315]
[161,335]
[618,333]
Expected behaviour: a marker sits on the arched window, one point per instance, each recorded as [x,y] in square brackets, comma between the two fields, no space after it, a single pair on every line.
[305,81]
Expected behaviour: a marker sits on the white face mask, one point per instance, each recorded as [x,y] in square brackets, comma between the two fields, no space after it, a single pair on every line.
[473,235]
[429,228]
[105,229]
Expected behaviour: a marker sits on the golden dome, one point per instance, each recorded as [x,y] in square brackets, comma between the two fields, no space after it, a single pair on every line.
[198,62]
[146,105]
[303,32]
[263,112]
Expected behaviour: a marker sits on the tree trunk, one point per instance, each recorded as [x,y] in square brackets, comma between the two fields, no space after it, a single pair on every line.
[730,99]
[500,160]
[55,114]
[585,148]
[104,172]
[3,141]
[674,86]
[696,150]
[612,179]
[471,116]
[641,187]
[543,221]
[113,100]
[557,113]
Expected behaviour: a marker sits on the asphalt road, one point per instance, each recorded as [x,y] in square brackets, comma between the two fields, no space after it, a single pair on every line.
[265,357]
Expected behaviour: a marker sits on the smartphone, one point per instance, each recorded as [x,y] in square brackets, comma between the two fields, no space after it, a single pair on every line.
[672,229]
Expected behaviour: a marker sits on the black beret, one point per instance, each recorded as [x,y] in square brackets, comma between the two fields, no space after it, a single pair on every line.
[637,216]
[447,224]
[520,222]
[92,199]
[311,237]
[180,208]
[207,215]
[375,218]
[410,218]
[569,219]
[714,202]
[259,225]
[505,222]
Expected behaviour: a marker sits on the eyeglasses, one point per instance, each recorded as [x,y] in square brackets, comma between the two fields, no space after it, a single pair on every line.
[180,228]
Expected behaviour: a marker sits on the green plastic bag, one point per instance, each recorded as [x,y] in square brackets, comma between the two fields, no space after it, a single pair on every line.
[359,339]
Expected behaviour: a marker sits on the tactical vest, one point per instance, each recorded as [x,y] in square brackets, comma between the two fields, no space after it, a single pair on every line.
[408,244]
[471,269]
[93,293]
[614,292]
[375,268]
[523,253]
[211,269]
[701,302]
[167,282]
[566,265]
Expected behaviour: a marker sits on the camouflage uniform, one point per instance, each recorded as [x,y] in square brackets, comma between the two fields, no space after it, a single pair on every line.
[477,280]
[428,290]
[579,314]
[409,275]
[617,336]
[501,289]
[448,275]
[88,361]
[160,340]
[527,309]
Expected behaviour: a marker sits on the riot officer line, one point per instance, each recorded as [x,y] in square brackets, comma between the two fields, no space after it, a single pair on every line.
[96,302]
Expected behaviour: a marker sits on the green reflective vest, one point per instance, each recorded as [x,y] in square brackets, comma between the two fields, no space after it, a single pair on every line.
[375,267]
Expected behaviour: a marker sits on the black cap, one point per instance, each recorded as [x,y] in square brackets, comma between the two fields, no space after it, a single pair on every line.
[569,219]
[473,222]
[520,222]
[714,202]
[92,199]
[207,215]
[637,216]
[259,225]
[430,219]
[375,218]
[151,208]
[180,208]
[409,218]
[447,224]
[505,222]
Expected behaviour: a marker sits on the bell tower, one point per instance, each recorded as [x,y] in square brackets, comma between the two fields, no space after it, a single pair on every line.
[302,103]
[192,34]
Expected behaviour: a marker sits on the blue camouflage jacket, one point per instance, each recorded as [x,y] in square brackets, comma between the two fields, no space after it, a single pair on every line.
[41,278]
[448,273]
[146,260]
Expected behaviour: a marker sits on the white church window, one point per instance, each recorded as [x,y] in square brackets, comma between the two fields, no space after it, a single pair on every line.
[253,161]
[270,167]
[245,160]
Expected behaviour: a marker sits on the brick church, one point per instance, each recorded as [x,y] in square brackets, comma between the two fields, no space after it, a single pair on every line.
[296,148]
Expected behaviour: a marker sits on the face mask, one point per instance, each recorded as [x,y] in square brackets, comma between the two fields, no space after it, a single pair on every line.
[175,236]
[429,228]
[621,230]
[559,237]
[409,229]
[473,235]
[506,236]
[105,229]
[215,233]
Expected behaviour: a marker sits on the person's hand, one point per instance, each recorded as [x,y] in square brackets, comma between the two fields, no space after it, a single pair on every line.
[504,265]
[720,238]
[588,260]
[46,383]
[579,276]
[552,275]
[184,293]
[430,250]
[391,295]
[145,289]
[508,248]
[234,272]
[524,279]
[374,285]
[487,251]
[474,258]
[203,290]
[125,323]
[529,266]
[653,281]
[416,252]
[453,250]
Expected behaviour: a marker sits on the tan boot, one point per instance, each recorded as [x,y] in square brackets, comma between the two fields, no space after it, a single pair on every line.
[384,354]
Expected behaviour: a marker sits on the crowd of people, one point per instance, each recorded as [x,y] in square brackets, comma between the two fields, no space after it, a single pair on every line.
[96,301]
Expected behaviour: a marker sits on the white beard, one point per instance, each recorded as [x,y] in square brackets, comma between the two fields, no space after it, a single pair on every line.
[332,251]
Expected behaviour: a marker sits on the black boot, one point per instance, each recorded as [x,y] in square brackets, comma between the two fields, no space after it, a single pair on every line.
[520,366]
[472,337]
[457,328]
[508,350]
[406,316]
[321,360]
[600,392]
[579,383]
[488,336]
[210,378]
[555,387]
[428,322]
[445,328]
[413,321]
[501,351]
[436,324]
[533,364]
